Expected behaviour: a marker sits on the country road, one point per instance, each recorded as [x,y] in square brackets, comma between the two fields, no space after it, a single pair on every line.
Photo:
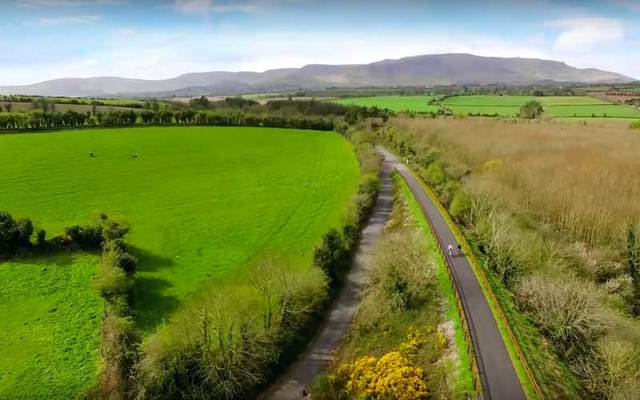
[300,375]
[497,373]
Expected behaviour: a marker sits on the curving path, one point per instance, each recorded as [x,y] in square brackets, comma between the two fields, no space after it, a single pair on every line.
[296,380]
[497,374]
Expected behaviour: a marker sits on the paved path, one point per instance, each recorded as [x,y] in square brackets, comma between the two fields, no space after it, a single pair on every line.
[320,352]
[497,374]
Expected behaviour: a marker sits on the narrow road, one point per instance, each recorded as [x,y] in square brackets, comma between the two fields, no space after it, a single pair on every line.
[320,352]
[497,374]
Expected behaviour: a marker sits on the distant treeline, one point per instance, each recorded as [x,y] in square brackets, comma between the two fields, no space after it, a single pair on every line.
[37,100]
[230,112]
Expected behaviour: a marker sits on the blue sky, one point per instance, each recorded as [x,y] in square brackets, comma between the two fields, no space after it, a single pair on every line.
[47,39]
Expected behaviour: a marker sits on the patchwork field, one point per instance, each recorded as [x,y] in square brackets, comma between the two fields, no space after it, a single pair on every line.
[502,106]
[201,202]
[393,103]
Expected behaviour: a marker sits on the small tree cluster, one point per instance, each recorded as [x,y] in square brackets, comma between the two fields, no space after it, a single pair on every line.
[15,235]
[531,110]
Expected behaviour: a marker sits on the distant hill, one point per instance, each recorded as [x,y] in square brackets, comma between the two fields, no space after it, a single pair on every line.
[441,69]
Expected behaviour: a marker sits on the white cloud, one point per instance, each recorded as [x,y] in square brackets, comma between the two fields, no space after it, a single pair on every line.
[73,19]
[585,34]
[205,6]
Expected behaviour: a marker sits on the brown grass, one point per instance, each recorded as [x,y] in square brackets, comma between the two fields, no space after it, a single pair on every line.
[550,205]
[584,180]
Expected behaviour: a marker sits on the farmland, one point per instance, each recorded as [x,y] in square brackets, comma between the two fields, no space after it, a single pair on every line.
[50,325]
[501,106]
[393,103]
[201,203]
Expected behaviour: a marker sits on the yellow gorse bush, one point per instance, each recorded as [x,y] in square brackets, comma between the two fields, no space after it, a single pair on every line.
[392,376]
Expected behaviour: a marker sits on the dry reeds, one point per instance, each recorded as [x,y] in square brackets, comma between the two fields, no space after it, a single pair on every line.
[584,180]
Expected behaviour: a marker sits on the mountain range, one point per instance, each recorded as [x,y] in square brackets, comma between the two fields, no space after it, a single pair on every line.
[425,70]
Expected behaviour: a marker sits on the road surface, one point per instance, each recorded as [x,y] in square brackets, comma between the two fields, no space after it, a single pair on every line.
[497,374]
[300,375]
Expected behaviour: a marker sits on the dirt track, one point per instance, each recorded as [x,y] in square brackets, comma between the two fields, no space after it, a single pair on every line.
[301,374]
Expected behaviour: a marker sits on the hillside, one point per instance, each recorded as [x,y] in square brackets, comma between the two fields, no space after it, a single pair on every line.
[442,69]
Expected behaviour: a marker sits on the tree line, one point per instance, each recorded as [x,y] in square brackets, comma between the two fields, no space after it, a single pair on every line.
[229,112]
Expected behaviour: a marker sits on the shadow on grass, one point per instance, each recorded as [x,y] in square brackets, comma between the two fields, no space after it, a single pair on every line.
[151,305]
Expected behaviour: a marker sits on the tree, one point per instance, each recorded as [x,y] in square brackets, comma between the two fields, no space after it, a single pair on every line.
[532,109]
[633,259]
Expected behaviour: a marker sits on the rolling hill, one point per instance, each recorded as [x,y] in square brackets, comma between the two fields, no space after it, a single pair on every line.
[441,69]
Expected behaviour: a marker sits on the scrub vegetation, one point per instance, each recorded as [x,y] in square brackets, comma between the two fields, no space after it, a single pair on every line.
[551,210]
[406,341]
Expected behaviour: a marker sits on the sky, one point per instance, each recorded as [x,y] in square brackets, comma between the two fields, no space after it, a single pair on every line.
[48,39]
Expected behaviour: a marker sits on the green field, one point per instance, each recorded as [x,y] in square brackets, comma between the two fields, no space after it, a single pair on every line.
[598,111]
[393,103]
[201,201]
[487,101]
[50,317]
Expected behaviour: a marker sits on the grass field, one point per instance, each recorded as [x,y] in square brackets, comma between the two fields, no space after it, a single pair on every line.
[393,103]
[598,111]
[50,317]
[502,106]
[202,202]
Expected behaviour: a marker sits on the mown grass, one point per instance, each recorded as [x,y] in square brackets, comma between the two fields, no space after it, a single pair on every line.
[50,318]
[202,202]
[393,103]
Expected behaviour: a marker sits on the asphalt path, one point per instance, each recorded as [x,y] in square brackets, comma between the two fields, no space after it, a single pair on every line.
[497,373]
[295,381]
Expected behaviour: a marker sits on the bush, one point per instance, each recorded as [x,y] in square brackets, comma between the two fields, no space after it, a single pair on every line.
[460,205]
[328,255]
[41,238]
[402,272]
[15,235]
[635,125]
[118,355]
[434,174]
[86,237]
[530,110]
[392,376]
[111,280]
[566,311]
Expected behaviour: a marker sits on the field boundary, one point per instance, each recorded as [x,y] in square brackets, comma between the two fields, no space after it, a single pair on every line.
[512,343]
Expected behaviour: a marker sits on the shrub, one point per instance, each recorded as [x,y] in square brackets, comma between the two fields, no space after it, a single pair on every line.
[118,355]
[15,235]
[111,280]
[530,110]
[635,125]
[460,205]
[392,376]
[328,254]
[566,311]
[86,237]
[401,271]
[41,238]
[434,174]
